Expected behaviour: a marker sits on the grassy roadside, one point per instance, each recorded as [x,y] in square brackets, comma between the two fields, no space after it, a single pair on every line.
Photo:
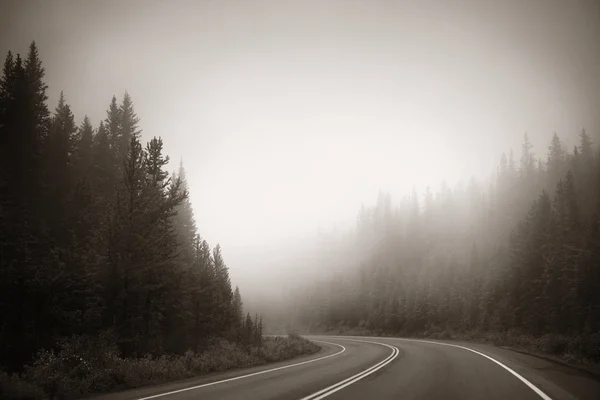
[579,352]
[79,368]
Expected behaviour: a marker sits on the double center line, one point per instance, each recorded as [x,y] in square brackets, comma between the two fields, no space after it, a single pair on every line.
[321,394]
[315,396]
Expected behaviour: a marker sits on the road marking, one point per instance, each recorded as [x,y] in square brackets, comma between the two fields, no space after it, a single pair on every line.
[516,374]
[525,381]
[249,375]
[355,378]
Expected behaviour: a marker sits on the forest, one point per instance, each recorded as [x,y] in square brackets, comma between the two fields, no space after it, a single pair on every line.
[105,282]
[515,260]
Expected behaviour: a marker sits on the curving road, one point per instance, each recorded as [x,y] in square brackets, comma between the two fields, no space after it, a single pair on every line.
[388,368]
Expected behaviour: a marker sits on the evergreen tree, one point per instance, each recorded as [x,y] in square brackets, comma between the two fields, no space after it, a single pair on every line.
[112,124]
[103,171]
[556,162]
[238,309]
[94,234]
[223,289]
[83,157]
[527,158]
[183,221]
[127,124]
[584,175]
[59,152]
[36,92]
[249,329]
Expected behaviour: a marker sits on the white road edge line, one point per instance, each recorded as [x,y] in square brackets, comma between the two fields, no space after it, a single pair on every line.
[249,375]
[516,374]
[355,378]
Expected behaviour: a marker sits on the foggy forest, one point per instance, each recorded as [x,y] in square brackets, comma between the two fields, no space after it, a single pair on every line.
[108,281]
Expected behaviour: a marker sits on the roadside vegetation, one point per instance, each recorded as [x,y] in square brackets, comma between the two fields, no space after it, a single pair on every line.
[82,366]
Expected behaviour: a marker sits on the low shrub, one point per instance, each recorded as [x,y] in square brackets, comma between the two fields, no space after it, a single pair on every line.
[81,366]
[279,348]
[13,387]
[553,344]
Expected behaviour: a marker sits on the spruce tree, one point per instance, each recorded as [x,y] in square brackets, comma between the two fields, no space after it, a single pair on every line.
[183,221]
[223,289]
[83,157]
[103,170]
[238,308]
[128,124]
[112,124]
[556,162]
[60,146]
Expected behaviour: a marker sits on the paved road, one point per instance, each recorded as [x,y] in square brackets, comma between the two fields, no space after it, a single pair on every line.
[387,368]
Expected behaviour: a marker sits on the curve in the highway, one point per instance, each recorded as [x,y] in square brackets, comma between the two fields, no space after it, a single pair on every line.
[334,371]
[438,370]
[536,390]
[343,349]
[352,368]
[321,394]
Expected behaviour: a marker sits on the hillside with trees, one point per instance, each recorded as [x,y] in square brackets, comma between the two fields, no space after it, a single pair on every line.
[101,263]
[516,259]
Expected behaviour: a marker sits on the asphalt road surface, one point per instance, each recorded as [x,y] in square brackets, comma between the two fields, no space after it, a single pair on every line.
[388,368]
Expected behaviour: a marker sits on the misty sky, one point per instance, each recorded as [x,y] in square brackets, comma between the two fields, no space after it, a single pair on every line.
[290,115]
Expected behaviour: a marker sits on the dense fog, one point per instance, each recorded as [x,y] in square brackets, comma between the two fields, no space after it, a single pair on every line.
[410,167]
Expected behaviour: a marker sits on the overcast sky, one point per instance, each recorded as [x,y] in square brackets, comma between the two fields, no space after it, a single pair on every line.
[290,114]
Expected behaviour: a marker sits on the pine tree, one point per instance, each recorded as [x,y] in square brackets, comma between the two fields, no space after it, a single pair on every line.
[103,169]
[126,254]
[556,162]
[36,91]
[165,294]
[127,125]
[112,124]
[527,159]
[570,215]
[585,146]
[249,329]
[59,170]
[259,330]
[512,169]
[8,83]
[7,89]
[223,289]
[183,221]
[584,172]
[238,309]
[83,157]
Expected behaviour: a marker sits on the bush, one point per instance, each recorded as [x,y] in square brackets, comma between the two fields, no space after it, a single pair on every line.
[12,387]
[84,365]
[282,348]
[80,365]
[553,344]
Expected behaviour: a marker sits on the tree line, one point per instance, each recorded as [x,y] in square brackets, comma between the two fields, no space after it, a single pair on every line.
[96,237]
[519,254]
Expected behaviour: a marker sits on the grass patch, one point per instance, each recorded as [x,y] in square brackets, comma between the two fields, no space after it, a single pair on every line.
[83,366]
